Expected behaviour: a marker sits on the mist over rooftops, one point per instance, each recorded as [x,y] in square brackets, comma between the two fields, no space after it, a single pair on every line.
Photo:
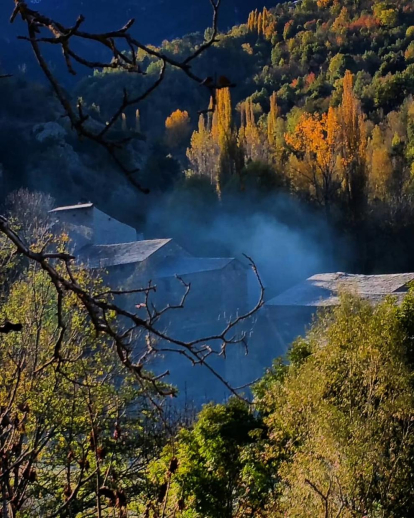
[323,290]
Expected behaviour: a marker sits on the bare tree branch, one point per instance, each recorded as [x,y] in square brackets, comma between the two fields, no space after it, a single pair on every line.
[126,327]
[115,42]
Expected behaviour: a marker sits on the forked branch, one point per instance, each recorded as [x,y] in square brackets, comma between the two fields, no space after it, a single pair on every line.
[122,48]
[128,327]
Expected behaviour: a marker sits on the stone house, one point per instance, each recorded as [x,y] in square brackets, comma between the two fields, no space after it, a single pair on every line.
[87,225]
[291,312]
[219,286]
[219,292]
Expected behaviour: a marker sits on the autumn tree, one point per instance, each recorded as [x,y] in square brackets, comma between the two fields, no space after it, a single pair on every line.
[214,145]
[251,136]
[389,163]
[177,128]
[252,22]
[262,22]
[276,131]
[380,164]
[329,152]
[272,119]
[353,147]
[203,153]
[314,163]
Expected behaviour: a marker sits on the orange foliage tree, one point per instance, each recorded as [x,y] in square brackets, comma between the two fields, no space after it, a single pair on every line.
[315,146]
[329,152]
[177,127]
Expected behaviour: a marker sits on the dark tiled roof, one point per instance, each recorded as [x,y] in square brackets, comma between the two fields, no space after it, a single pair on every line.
[103,256]
[324,289]
[187,265]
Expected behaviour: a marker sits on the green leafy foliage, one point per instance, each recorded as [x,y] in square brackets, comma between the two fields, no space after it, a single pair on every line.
[219,469]
[76,429]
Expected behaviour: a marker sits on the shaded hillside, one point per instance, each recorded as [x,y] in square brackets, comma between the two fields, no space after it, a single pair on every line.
[301,71]
[156,20]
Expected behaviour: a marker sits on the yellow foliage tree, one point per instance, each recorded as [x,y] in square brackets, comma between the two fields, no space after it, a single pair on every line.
[341,23]
[203,153]
[214,151]
[177,128]
[250,138]
[260,24]
[226,138]
[380,165]
[272,119]
[353,145]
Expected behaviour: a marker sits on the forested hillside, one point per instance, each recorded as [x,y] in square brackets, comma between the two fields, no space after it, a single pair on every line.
[156,20]
[321,112]
[290,138]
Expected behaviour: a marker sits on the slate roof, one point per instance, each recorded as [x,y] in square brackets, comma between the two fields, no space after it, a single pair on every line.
[187,265]
[73,207]
[104,256]
[322,290]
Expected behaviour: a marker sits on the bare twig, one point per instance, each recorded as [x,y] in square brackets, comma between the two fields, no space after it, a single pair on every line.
[99,306]
[114,42]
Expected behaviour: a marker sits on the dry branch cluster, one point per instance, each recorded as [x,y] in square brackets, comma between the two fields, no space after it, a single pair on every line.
[137,336]
[122,47]
[124,327]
